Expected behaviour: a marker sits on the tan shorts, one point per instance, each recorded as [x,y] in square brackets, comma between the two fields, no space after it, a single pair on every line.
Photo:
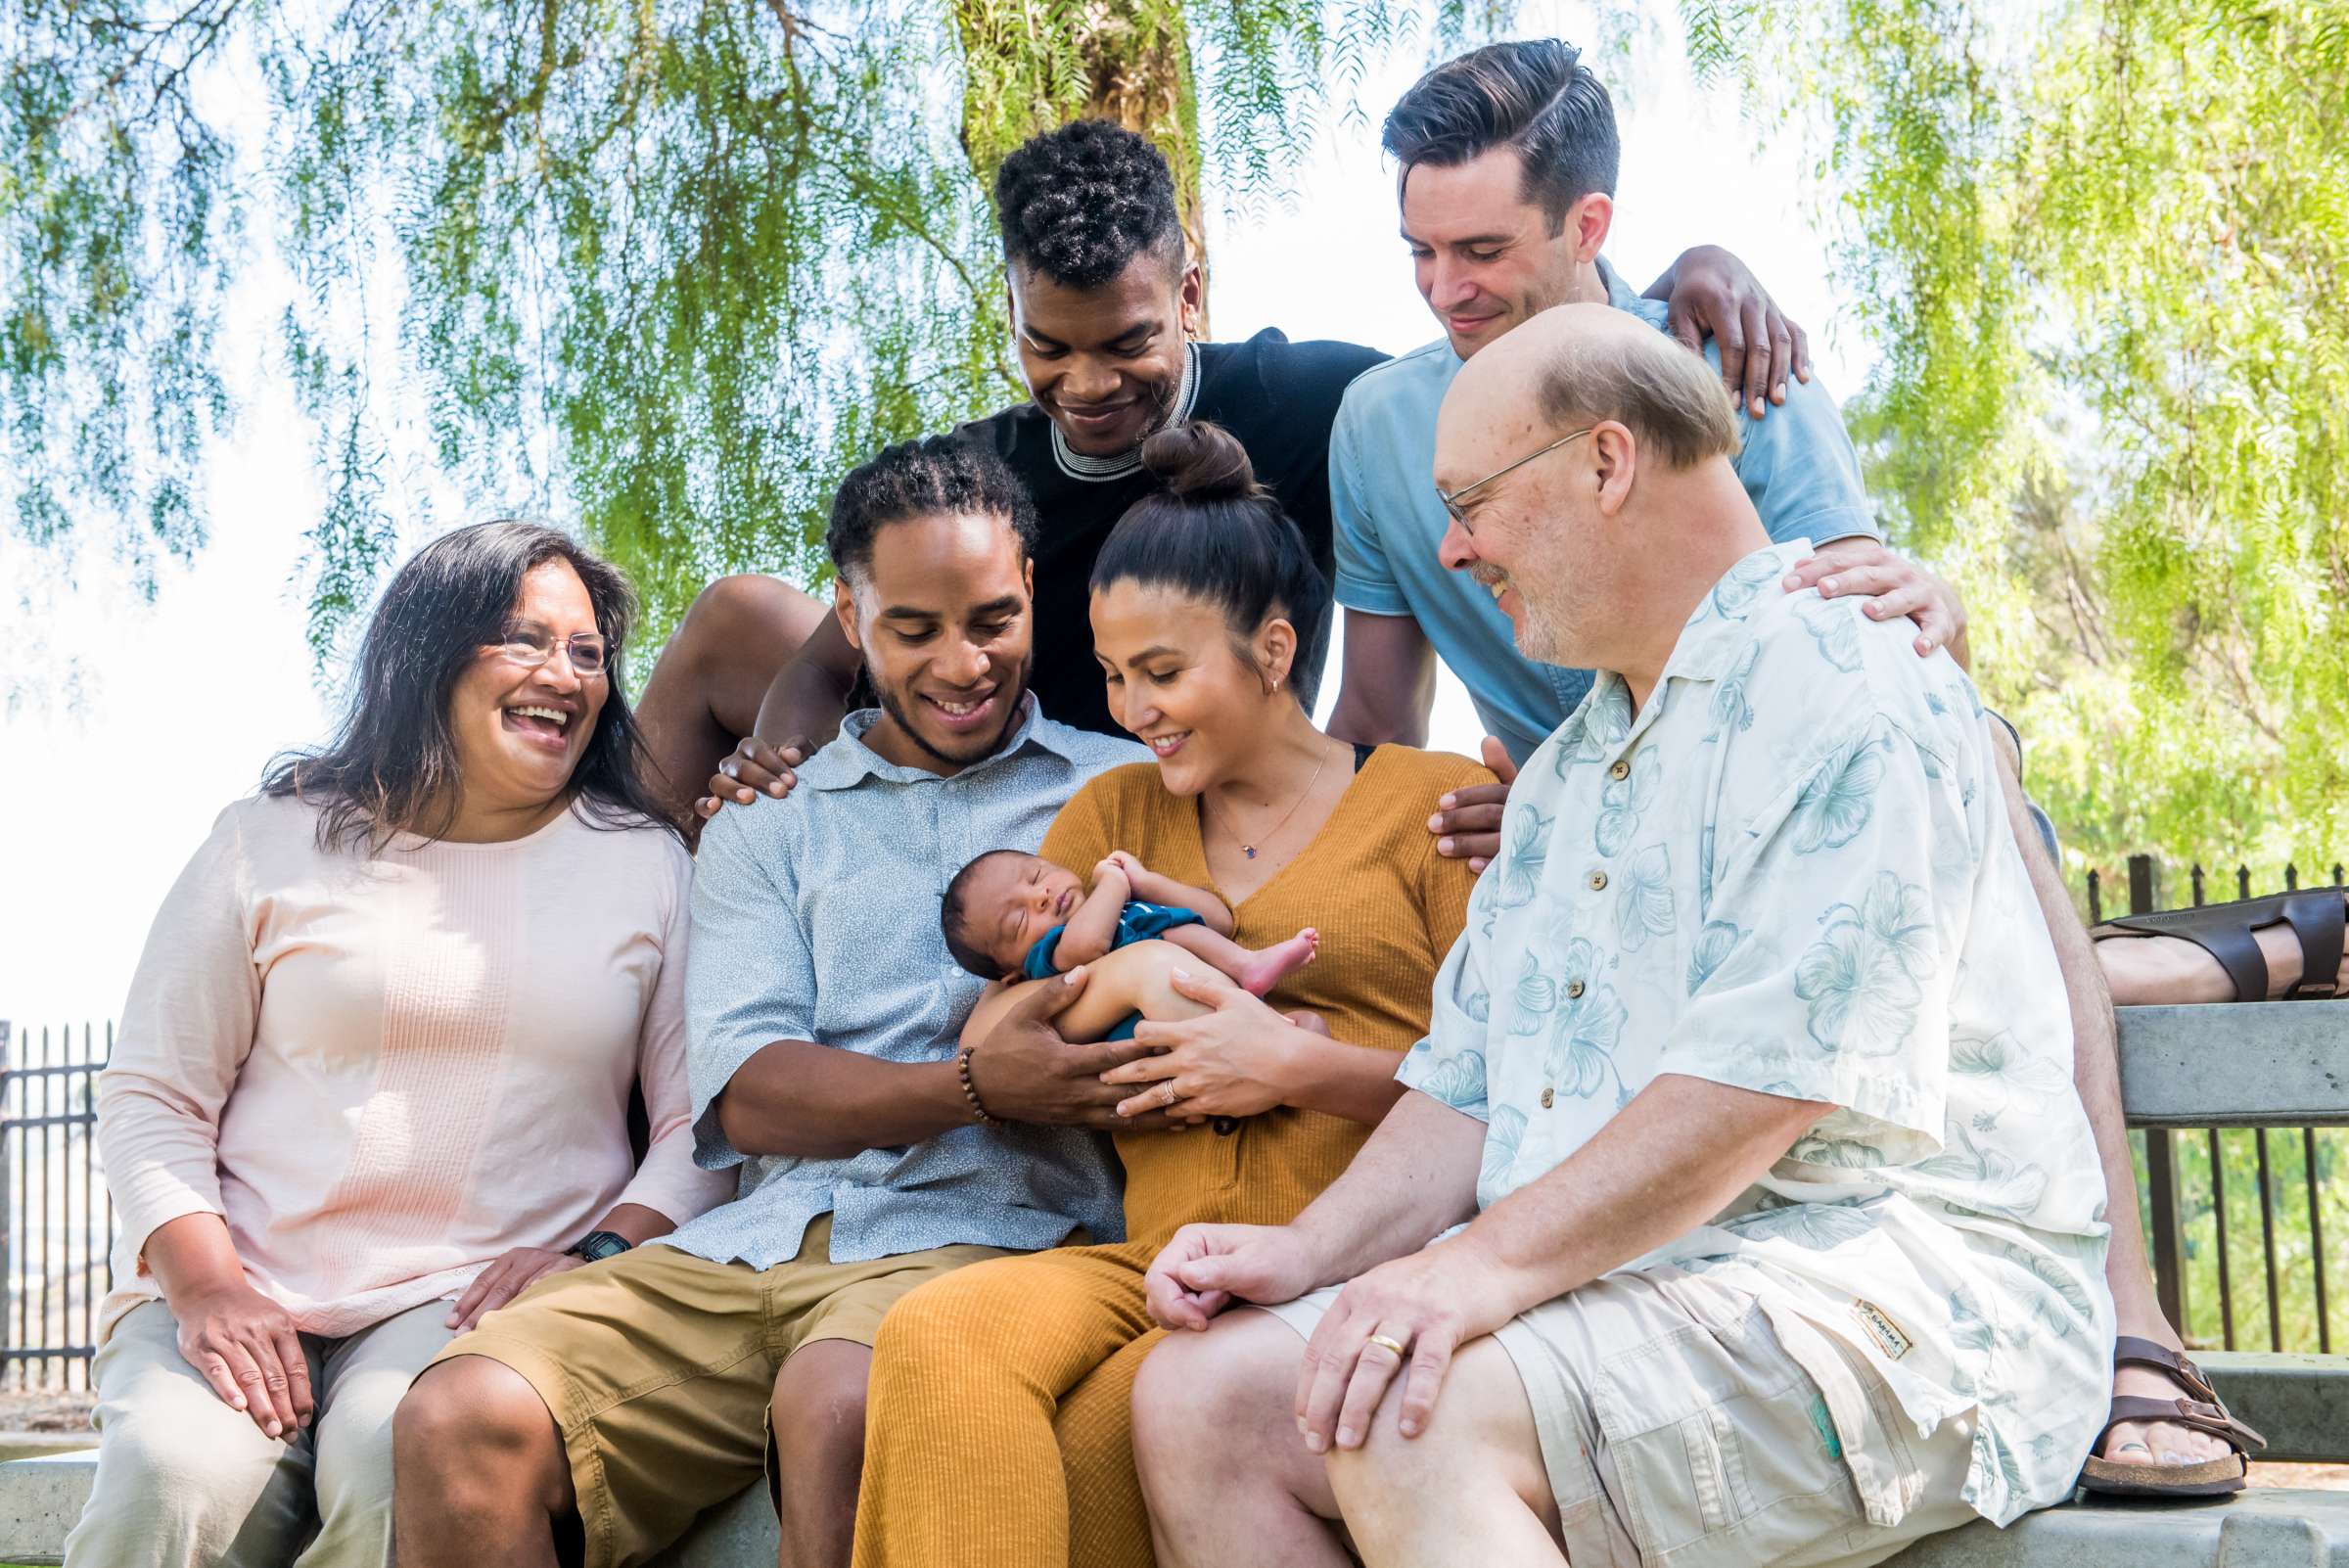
[658,1365]
[1679,1433]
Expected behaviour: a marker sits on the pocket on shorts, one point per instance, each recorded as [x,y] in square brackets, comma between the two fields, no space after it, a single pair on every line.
[1724,1449]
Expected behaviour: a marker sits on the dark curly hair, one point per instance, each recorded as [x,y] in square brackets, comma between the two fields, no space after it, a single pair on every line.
[920,478]
[954,920]
[1215,533]
[1080,202]
[391,765]
[1534,95]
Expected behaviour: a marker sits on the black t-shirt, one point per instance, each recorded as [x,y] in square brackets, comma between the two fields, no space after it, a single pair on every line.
[1277,397]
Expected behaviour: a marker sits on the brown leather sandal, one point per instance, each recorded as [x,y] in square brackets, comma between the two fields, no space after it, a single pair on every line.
[2204,1412]
[2317,917]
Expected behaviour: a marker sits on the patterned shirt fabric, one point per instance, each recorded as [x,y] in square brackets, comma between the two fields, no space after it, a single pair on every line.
[817,918]
[1792,872]
[1139,921]
[1796,464]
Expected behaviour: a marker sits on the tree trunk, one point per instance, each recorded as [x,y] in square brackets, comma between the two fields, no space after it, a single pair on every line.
[1114,60]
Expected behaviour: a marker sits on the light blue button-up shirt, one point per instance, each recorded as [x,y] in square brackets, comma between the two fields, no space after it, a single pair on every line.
[1796,463]
[1792,872]
[817,918]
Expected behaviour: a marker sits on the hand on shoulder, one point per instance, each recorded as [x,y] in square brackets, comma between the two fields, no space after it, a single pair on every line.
[751,769]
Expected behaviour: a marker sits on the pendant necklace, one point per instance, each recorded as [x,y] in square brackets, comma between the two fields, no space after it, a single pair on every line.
[1249,849]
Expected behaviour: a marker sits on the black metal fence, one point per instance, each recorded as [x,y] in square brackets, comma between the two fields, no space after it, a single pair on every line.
[2195,1239]
[57,1220]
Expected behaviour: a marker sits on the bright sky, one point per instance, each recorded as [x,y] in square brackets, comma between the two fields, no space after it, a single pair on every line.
[178,707]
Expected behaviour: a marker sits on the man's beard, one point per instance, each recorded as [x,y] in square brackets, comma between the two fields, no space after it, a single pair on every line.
[1162,401]
[894,704]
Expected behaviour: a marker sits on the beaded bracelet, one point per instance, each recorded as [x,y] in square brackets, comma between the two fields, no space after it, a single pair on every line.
[969,1092]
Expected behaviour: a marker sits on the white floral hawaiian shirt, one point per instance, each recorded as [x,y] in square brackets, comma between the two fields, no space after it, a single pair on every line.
[1792,872]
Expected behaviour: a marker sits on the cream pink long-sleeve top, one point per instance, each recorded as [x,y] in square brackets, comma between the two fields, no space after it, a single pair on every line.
[385,1067]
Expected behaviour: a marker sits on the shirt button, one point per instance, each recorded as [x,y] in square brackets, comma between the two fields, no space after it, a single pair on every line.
[1574,989]
[1599,881]
[1620,769]
[1548,1096]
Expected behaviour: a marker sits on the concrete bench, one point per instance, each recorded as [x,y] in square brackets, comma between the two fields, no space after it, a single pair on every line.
[41,1497]
[2274,1064]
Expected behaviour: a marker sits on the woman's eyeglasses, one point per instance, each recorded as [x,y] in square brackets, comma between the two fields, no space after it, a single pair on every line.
[529,647]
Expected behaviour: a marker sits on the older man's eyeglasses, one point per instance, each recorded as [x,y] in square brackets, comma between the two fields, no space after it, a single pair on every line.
[533,646]
[1452,498]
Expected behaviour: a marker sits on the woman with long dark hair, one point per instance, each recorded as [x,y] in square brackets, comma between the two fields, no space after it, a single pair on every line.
[374,1074]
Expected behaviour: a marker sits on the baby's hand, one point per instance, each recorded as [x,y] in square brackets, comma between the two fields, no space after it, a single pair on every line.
[1125,862]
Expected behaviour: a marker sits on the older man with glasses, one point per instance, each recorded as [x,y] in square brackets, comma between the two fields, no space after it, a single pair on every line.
[1744,1211]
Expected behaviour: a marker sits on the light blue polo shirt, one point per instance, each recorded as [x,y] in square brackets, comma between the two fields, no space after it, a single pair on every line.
[1796,463]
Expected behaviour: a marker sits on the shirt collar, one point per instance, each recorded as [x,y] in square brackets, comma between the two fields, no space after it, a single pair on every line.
[1623,296]
[1709,644]
[847,761]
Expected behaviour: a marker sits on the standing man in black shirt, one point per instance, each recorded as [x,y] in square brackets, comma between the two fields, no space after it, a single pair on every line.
[1103,306]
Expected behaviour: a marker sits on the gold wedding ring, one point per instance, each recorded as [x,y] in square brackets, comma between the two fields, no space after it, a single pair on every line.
[1394,1345]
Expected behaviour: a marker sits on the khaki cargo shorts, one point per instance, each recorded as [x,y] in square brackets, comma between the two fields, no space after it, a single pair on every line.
[1679,1433]
[658,1365]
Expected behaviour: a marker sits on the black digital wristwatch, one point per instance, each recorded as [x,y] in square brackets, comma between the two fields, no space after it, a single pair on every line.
[597,1245]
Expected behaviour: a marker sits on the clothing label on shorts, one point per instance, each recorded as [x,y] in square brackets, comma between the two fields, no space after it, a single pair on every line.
[1880,1328]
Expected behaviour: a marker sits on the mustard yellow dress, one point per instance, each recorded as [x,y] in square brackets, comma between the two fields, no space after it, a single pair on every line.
[997,1425]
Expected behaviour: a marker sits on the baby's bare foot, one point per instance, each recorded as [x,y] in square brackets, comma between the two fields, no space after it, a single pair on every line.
[1266,966]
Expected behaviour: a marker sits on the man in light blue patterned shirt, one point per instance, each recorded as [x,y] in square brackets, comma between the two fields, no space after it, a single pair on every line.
[1750,1077]
[823,1011]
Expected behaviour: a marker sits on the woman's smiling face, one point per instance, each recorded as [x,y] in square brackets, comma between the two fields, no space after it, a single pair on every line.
[519,731]
[1177,681]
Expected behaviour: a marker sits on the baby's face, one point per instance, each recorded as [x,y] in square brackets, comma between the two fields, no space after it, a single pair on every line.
[1015,899]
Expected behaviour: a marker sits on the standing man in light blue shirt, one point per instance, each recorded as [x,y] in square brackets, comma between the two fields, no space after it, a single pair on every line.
[1507,186]
[824,1014]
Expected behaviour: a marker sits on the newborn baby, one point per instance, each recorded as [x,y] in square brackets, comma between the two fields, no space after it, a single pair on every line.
[1010,916]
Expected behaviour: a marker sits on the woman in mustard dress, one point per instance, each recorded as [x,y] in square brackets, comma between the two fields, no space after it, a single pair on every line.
[997,1424]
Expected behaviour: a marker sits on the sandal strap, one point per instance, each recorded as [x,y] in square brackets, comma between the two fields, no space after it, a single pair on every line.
[2229,942]
[2202,1416]
[2129,1351]
[2317,920]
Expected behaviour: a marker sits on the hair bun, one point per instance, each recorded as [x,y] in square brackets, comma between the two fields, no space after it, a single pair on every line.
[1200,461]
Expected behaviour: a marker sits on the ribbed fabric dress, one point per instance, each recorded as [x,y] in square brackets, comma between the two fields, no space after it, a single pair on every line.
[997,1428]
